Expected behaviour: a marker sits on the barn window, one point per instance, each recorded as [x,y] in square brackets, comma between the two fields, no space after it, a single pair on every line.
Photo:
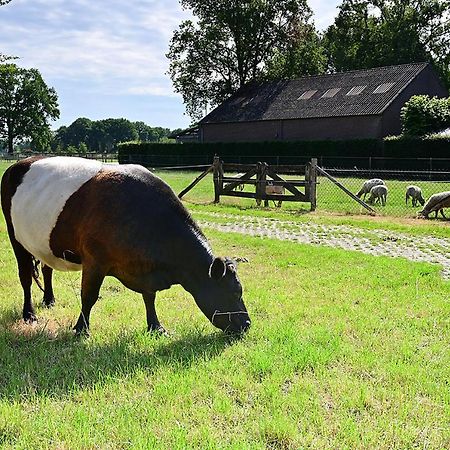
[356,90]
[331,93]
[382,88]
[307,94]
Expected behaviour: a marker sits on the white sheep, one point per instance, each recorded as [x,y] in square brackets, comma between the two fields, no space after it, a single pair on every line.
[416,195]
[436,203]
[378,194]
[368,185]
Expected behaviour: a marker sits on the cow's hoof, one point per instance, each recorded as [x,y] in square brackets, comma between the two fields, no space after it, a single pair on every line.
[81,332]
[157,330]
[48,302]
[29,318]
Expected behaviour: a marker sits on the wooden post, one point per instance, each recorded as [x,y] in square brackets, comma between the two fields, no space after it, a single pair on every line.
[313,184]
[260,187]
[341,186]
[197,180]
[218,176]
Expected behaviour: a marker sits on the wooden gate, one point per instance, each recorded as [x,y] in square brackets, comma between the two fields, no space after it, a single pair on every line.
[262,175]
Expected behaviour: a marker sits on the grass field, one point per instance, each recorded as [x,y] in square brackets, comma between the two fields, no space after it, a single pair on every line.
[345,351]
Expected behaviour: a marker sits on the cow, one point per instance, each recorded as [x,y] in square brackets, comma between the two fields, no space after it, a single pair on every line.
[113,220]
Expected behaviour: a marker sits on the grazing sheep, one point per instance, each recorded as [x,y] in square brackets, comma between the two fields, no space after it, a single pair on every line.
[416,195]
[436,203]
[378,194]
[368,185]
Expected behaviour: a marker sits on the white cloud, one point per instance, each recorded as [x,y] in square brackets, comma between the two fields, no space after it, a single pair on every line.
[119,46]
[324,12]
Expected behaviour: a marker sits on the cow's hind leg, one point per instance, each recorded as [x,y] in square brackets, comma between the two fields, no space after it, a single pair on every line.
[25,265]
[49,298]
[152,319]
[91,281]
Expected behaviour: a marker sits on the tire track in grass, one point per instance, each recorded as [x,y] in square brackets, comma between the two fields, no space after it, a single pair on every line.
[377,242]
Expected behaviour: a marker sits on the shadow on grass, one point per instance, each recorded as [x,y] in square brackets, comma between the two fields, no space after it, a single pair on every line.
[42,362]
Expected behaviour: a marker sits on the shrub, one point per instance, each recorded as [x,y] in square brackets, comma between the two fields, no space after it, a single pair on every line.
[422,115]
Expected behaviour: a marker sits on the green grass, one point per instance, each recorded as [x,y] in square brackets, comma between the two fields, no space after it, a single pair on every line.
[345,351]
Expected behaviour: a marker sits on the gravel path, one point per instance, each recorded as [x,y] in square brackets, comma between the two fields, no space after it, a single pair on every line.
[372,242]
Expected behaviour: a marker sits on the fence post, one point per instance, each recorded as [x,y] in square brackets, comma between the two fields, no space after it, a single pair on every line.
[218,178]
[261,176]
[313,184]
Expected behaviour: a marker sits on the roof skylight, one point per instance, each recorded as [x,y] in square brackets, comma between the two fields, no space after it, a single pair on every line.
[307,95]
[331,93]
[382,88]
[356,90]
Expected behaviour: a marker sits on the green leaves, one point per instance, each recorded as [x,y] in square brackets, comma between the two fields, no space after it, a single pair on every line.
[422,115]
[26,105]
[230,44]
[385,32]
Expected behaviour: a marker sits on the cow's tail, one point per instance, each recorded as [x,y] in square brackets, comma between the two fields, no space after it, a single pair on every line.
[35,272]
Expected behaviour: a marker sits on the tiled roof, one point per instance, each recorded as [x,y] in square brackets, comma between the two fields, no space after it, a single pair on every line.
[355,93]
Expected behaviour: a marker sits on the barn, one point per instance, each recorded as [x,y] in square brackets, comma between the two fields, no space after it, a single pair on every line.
[361,104]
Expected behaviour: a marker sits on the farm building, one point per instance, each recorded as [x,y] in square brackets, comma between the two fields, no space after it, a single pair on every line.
[350,105]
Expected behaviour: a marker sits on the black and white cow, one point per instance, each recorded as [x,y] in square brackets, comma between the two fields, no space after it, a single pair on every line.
[109,220]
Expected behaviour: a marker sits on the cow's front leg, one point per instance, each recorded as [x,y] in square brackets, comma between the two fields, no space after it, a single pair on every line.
[91,281]
[49,298]
[153,324]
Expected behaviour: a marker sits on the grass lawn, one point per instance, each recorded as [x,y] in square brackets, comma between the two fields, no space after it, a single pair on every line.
[346,350]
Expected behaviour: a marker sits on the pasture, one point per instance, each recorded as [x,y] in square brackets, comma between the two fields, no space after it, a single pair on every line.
[346,350]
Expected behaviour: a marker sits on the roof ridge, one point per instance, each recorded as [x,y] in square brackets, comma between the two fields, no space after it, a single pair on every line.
[424,64]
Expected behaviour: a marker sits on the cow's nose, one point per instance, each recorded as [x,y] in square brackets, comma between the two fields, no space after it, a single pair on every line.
[246,325]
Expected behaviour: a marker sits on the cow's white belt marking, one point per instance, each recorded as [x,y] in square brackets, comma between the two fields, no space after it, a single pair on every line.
[41,197]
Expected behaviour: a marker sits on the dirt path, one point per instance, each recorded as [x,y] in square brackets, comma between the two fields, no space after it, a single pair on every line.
[372,242]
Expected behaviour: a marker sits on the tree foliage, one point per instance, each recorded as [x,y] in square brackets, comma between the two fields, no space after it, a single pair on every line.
[423,115]
[102,136]
[230,43]
[26,106]
[371,33]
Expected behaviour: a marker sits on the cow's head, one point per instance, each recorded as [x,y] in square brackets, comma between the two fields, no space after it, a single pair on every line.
[221,299]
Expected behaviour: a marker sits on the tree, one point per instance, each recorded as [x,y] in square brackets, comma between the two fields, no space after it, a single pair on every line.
[26,105]
[117,130]
[229,44]
[370,33]
[77,132]
[304,55]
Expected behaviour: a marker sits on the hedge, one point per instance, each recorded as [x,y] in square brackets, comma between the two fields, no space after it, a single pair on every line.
[337,153]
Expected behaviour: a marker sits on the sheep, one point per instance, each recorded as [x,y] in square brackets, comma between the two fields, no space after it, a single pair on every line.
[436,203]
[378,194]
[367,186]
[416,195]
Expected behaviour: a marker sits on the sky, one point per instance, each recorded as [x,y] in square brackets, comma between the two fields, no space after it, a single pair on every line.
[107,58]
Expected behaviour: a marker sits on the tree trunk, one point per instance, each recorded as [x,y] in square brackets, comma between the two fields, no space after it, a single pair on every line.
[10,144]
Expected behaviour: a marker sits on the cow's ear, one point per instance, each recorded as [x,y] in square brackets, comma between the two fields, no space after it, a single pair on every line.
[217,269]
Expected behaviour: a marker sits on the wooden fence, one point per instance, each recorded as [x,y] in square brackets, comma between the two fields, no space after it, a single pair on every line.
[261,175]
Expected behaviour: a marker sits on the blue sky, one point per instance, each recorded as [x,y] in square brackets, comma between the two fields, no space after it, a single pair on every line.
[106,58]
